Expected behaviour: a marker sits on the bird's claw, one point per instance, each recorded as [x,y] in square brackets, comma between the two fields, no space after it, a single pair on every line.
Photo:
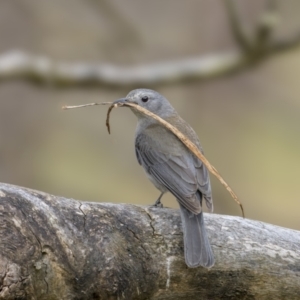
[158,204]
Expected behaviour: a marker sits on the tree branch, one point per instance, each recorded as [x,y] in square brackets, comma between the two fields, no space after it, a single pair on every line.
[43,70]
[57,248]
[38,69]
[236,27]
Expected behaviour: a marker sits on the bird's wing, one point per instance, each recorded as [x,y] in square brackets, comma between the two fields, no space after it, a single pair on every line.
[182,175]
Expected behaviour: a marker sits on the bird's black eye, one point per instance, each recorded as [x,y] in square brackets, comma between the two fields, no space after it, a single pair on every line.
[145,98]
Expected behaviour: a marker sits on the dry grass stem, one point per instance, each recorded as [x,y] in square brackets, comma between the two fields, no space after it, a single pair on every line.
[65,107]
[191,146]
[107,116]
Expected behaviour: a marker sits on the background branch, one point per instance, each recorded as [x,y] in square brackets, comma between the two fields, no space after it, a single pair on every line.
[57,248]
[236,27]
[40,69]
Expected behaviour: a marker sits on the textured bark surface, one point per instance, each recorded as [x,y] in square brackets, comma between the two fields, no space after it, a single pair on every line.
[57,248]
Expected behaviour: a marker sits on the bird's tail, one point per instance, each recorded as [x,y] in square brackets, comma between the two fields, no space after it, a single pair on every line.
[197,249]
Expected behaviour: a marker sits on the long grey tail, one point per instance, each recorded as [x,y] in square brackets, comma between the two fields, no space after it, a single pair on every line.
[197,249]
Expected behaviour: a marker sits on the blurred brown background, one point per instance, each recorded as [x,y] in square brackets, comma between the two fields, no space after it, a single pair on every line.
[248,122]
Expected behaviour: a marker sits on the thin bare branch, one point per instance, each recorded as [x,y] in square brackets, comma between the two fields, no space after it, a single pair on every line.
[65,107]
[292,42]
[265,27]
[237,29]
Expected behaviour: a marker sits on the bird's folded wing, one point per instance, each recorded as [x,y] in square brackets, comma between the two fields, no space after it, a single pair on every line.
[183,175]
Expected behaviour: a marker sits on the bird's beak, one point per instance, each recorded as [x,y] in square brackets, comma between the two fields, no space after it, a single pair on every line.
[121,101]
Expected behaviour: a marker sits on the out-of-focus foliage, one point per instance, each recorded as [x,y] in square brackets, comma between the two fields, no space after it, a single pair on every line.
[248,123]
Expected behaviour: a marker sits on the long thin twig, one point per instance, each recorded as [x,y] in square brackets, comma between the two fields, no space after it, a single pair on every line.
[65,107]
[107,116]
[236,27]
[191,146]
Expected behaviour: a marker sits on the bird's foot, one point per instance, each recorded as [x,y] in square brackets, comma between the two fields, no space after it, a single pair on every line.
[158,204]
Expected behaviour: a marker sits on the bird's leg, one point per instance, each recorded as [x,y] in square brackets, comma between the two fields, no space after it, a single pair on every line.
[157,202]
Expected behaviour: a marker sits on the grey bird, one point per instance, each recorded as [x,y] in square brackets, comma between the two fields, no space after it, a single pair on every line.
[170,166]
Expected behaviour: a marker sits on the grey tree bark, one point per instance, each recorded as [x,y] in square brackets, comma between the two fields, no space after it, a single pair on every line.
[57,248]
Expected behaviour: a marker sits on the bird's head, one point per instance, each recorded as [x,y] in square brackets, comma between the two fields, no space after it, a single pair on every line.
[149,99]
